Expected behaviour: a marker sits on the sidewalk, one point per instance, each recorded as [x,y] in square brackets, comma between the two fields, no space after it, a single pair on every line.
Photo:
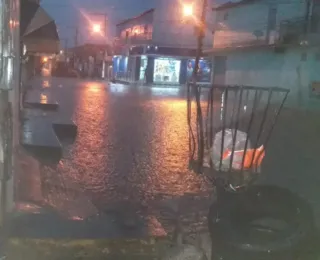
[292,158]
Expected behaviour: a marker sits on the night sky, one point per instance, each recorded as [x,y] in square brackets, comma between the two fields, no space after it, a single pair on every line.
[71,13]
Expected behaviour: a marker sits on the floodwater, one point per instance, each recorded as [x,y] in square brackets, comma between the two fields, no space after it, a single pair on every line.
[130,153]
[130,157]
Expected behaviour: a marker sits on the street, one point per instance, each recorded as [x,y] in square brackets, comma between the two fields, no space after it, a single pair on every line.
[130,154]
[130,158]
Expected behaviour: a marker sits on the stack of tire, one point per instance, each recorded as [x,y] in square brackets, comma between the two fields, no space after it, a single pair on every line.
[260,222]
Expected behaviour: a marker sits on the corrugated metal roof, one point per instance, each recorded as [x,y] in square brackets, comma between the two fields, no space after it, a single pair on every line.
[229,5]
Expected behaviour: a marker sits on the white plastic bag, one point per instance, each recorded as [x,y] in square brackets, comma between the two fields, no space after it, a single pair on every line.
[239,145]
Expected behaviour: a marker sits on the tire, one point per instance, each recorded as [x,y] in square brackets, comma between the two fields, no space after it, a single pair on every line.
[227,222]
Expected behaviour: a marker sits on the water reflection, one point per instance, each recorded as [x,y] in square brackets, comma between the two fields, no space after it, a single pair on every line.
[165,91]
[172,148]
[45,84]
[118,88]
[131,151]
[43,98]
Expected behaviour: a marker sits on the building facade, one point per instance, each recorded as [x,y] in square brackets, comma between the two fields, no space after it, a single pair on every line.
[38,36]
[269,43]
[159,47]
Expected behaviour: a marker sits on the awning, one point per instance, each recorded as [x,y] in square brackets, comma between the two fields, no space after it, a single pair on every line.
[38,30]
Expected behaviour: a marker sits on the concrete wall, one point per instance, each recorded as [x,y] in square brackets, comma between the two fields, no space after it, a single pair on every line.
[294,69]
[238,26]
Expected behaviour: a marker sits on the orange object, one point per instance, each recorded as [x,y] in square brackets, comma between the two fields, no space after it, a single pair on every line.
[258,154]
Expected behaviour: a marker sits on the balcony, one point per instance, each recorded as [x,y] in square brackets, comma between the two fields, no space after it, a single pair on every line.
[144,38]
[299,30]
[231,39]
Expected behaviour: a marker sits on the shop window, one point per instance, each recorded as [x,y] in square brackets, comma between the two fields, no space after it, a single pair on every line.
[166,70]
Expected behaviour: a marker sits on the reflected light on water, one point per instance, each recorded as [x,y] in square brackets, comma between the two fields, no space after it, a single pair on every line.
[87,154]
[118,88]
[164,91]
[174,177]
[43,98]
[45,84]
[93,87]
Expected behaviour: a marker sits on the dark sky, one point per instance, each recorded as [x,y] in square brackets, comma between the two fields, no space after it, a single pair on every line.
[71,13]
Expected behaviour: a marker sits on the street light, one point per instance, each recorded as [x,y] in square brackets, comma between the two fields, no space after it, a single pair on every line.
[96,28]
[188,10]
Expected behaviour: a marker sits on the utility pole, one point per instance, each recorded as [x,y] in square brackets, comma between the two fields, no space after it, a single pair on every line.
[76,37]
[201,27]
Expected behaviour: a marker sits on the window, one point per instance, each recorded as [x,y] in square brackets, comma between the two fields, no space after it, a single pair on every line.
[225,16]
[272,18]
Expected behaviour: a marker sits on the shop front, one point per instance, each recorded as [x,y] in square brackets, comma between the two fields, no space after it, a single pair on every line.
[166,71]
[162,70]
[204,73]
[120,67]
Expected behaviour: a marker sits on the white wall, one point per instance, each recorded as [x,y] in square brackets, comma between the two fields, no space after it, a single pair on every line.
[242,21]
[265,68]
[169,29]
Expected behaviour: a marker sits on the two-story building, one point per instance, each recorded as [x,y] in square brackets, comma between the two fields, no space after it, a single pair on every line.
[159,47]
[269,43]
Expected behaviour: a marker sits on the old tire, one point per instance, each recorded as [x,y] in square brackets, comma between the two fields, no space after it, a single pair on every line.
[231,222]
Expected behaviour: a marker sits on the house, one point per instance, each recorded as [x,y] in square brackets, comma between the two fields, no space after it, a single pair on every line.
[101,54]
[159,46]
[39,40]
[269,43]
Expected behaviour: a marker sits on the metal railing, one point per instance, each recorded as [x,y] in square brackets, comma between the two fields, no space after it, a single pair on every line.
[229,133]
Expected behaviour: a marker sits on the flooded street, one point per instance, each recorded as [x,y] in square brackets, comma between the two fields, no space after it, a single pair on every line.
[129,161]
[130,153]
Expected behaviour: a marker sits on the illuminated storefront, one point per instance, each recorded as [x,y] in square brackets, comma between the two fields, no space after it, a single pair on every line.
[159,65]
[204,73]
[166,70]
[143,67]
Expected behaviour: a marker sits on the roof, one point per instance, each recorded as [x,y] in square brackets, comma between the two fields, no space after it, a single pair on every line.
[29,10]
[48,31]
[229,5]
[136,17]
[91,49]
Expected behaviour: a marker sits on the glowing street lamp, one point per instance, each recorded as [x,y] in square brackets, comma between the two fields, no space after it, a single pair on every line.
[96,28]
[187,10]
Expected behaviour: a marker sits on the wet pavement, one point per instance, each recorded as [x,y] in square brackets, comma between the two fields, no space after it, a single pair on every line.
[129,161]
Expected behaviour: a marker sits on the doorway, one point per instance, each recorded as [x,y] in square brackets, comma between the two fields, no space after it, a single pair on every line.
[219,71]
